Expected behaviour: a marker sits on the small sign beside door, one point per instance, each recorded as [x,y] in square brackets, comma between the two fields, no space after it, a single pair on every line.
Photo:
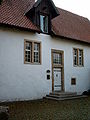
[48,74]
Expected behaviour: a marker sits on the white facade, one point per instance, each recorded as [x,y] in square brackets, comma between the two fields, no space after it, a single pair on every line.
[19,81]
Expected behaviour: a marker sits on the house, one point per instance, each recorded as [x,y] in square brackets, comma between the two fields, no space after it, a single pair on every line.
[42,49]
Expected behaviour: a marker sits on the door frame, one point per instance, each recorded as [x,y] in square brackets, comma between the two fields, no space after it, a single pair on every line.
[58,66]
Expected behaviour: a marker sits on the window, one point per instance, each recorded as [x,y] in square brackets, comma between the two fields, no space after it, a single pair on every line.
[44,23]
[32,52]
[78,57]
[57,58]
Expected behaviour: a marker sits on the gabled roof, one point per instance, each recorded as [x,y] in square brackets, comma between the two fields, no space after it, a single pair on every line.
[51,2]
[66,24]
[31,9]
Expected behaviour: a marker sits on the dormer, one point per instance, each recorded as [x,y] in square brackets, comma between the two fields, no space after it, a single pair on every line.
[41,14]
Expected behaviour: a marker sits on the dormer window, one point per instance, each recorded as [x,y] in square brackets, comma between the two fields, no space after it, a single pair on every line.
[41,14]
[44,23]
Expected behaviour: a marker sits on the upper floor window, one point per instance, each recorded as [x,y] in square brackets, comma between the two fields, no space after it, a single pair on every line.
[44,23]
[32,53]
[78,57]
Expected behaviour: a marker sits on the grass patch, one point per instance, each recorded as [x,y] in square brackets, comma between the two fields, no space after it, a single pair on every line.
[78,109]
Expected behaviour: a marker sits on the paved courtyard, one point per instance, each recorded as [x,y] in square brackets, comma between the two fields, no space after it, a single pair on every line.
[78,109]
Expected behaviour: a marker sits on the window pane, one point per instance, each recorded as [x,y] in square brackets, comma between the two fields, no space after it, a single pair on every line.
[28,46]
[36,47]
[80,57]
[44,23]
[75,57]
[36,53]
[57,58]
[41,22]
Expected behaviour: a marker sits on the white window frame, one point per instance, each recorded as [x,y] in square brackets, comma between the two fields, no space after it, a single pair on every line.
[44,24]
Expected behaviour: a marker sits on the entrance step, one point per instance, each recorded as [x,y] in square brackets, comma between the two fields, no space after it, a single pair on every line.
[63,93]
[63,96]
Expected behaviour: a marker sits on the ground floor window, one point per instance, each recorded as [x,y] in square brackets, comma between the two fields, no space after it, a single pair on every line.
[32,52]
[78,57]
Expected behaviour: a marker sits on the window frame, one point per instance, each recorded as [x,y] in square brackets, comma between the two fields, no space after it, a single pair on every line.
[78,64]
[60,52]
[32,52]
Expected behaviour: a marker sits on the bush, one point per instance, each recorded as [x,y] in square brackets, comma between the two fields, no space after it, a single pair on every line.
[86,92]
[89,92]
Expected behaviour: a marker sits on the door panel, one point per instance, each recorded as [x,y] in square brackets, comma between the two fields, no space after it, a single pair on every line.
[57,79]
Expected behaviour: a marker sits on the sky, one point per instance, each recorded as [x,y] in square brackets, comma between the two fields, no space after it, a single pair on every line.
[80,7]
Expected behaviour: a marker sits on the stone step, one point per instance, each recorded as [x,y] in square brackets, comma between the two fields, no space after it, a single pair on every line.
[61,96]
[63,93]
[65,98]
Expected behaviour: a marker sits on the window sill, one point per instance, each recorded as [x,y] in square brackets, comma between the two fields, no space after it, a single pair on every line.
[47,33]
[32,63]
[78,65]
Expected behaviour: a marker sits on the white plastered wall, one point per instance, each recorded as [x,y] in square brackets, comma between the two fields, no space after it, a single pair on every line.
[19,81]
